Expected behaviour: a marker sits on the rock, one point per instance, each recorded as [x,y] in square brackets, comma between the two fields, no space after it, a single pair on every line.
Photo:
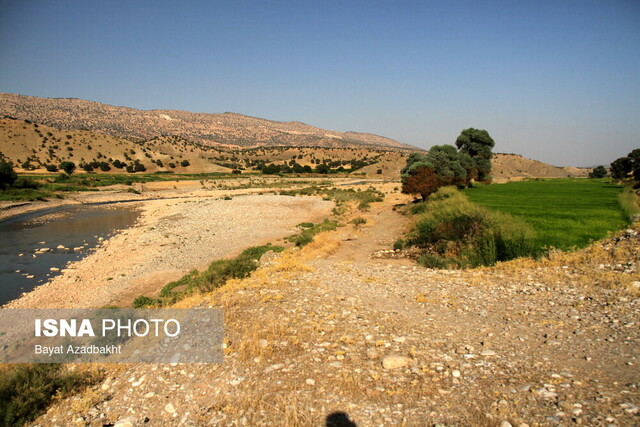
[310,381]
[546,393]
[505,423]
[274,367]
[78,248]
[125,422]
[60,247]
[54,269]
[488,353]
[394,361]
[137,383]
[149,395]
[630,408]
[455,373]
[169,408]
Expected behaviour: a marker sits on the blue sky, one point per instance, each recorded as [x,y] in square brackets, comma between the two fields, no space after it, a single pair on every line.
[557,81]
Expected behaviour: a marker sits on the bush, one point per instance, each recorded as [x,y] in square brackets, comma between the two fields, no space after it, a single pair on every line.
[358,221]
[23,182]
[7,175]
[26,391]
[433,261]
[142,301]
[214,276]
[68,167]
[306,236]
[474,235]
[398,245]
[629,202]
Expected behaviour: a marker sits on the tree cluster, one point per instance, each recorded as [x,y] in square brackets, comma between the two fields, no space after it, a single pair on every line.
[445,165]
[598,172]
[623,167]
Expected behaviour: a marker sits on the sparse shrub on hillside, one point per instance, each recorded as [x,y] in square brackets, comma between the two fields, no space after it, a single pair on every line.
[358,221]
[51,168]
[184,163]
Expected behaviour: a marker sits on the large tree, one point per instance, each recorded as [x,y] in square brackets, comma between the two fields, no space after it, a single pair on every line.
[477,143]
[442,165]
[620,168]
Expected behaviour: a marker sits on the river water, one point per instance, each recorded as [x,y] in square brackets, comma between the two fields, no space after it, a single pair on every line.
[23,266]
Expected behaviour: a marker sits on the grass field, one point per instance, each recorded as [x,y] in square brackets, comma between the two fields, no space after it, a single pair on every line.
[564,213]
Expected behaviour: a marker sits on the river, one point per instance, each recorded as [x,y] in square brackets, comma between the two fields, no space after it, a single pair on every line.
[23,262]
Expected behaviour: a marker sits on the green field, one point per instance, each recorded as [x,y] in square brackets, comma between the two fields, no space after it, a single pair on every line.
[565,213]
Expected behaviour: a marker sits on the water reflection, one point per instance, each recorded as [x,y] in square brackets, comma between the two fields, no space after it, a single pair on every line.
[23,267]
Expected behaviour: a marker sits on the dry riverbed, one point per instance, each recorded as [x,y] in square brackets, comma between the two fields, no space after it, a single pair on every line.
[172,237]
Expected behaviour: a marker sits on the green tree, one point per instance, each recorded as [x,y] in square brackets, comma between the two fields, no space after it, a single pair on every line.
[68,167]
[322,168]
[620,168]
[477,143]
[598,172]
[443,165]
[7,175]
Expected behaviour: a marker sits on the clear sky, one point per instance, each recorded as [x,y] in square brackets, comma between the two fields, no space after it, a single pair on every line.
[557,81]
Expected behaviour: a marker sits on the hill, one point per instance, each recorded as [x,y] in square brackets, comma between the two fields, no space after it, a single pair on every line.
[32,146]
[227,129]
[512,166]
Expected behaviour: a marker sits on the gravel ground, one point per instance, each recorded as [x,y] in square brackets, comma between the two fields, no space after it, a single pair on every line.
[171,238]
[329,333]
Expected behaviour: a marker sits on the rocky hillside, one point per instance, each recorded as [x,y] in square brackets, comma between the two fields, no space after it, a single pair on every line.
[227,129]
[31,147]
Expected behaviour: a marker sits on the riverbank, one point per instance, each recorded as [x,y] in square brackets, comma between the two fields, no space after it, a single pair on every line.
[172,237]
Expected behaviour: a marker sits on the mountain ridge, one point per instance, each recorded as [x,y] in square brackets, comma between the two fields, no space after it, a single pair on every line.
[212,129]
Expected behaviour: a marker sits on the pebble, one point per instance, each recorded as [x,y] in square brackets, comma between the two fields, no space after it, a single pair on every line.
[455,373]
[546,393]
[394,361]
[169,408]
[125,422]
[310,381]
